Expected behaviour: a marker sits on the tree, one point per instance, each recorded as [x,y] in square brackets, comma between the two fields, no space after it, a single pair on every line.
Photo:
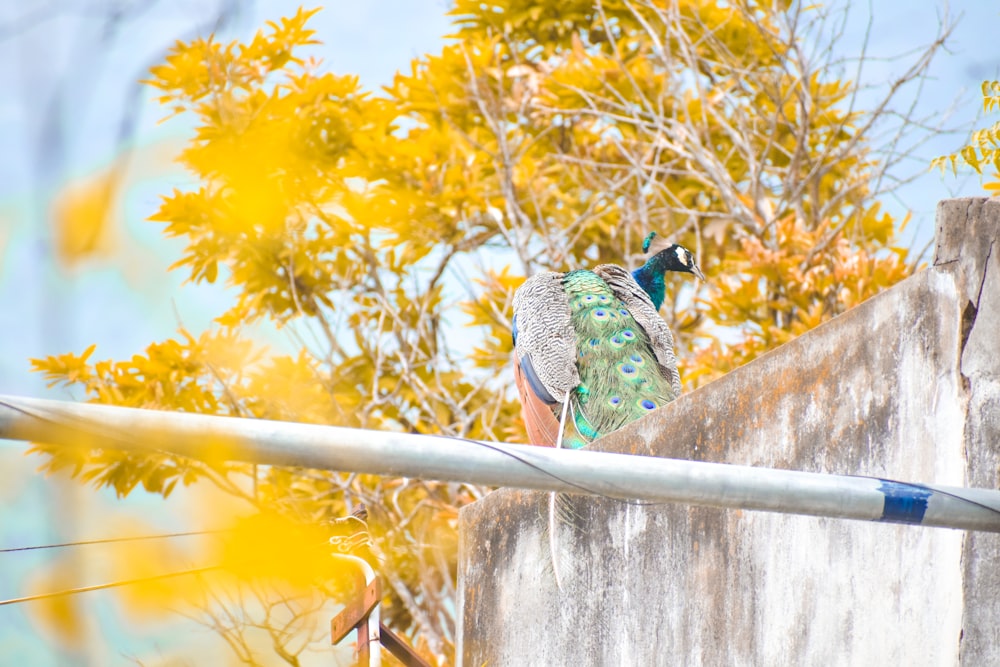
[372,228]
[983,147]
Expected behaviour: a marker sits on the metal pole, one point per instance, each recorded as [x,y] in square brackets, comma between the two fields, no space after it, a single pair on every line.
[429,457]
[369,641]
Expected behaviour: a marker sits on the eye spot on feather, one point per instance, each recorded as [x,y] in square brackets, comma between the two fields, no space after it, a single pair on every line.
[594,342]
[604,298]
[646,404]
[637,360]
[617,341]
[623,312]
[627,370]
[615,401]
[589,298]
[599,314]
[628,334]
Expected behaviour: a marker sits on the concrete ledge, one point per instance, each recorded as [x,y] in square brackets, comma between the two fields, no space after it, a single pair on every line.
[906,386]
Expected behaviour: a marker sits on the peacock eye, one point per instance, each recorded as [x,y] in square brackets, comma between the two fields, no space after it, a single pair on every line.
[627,370]
[628,335]
[647,404]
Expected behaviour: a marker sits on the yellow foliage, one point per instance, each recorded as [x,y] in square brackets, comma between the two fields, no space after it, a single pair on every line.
[83,217]
[271,546]
[983,149]
[61,618]
[151,595]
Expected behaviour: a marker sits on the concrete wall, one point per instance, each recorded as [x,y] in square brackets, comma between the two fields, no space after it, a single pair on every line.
[905,386]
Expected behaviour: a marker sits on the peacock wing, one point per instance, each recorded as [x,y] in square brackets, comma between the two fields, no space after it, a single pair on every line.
[624,286]
[544,339]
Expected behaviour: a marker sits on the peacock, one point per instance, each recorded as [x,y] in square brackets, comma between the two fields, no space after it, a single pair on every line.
[591,352]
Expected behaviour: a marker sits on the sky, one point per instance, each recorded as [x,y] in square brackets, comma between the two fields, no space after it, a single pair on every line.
[69,76]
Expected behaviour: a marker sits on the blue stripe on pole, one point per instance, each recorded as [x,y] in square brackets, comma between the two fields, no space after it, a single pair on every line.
[904,503]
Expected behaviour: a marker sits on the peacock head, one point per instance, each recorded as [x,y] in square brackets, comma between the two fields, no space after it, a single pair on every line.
[666,256]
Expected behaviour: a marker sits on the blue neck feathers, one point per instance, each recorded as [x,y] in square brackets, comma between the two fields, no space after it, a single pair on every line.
[650,279]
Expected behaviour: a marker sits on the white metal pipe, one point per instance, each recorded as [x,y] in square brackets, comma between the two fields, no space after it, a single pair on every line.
[643,478]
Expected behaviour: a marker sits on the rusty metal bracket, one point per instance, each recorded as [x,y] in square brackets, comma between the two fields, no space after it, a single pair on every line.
[355,612]
[361,614]
[400,649]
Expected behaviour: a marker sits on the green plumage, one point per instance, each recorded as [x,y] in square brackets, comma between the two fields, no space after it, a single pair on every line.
[620,379]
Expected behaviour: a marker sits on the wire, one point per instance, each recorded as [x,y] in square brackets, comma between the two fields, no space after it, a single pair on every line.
[114,584]
[499,448]
[112,539]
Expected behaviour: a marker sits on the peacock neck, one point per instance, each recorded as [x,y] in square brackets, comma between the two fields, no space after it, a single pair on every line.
[650,279]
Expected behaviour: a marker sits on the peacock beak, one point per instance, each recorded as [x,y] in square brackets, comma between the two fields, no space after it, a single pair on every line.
[696,271]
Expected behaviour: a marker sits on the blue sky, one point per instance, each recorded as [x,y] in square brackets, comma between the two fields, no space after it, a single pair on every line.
[67,74]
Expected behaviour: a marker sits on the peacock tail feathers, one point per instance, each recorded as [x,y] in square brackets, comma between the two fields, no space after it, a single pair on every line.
[620,379]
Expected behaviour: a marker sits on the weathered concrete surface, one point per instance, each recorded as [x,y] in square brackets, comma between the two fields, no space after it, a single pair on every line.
[905,386]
